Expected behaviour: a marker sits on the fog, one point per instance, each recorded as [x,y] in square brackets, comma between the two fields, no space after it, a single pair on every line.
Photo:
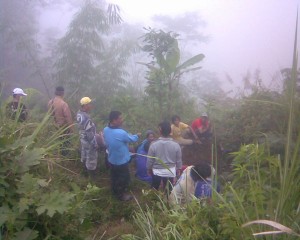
[244,35]
[238,38]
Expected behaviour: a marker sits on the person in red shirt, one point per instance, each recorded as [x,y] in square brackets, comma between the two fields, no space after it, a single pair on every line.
[202,127]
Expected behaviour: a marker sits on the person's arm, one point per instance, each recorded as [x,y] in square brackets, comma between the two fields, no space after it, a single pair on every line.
[131,138]
[50,103]
[24,111]
[178,160]
[172,130]
[101,141]
[204,128]
[150,160]
[193,132]
[68,116]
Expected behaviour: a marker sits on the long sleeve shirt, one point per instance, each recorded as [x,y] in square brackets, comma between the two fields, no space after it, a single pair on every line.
[61,112]
[184,189]
[116,140]
[87,129]
[168,151]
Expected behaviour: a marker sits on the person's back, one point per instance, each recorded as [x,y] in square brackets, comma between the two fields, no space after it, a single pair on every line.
[184,189]
[203,189]
[167,151]
[205,185]
[60,110]
[87,129]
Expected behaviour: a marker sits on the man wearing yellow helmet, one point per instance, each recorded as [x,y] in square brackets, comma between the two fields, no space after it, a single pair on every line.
[88,140]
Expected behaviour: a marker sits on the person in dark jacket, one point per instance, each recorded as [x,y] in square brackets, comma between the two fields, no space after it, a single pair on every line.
[15,109]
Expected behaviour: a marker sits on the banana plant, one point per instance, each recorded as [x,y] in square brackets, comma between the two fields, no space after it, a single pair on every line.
[164,70]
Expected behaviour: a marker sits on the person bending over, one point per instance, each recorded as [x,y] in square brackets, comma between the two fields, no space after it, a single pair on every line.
[184,189]
[180,132]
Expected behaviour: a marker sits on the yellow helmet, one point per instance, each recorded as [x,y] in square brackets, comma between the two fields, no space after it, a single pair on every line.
[85,100]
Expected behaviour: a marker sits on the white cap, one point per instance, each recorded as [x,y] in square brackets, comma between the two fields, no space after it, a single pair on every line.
[19,91]
[204,114]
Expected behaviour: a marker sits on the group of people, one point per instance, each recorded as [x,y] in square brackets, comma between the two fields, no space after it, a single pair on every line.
[158,162]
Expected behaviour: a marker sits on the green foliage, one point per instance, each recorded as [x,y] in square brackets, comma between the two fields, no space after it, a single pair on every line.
[54,202]
[198,220]
[260,117]
[252,194]
[88,62]
[255,180]
[164,70]
[33,204]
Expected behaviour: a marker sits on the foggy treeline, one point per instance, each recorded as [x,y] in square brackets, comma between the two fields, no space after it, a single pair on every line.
[101,56]
[96,48]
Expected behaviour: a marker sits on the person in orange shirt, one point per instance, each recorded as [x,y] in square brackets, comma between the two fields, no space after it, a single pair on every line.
[180,132]
[60,111]
[62,117]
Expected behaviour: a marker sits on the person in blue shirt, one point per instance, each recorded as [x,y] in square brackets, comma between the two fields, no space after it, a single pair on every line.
[141,158]
[205,185]
[117,140]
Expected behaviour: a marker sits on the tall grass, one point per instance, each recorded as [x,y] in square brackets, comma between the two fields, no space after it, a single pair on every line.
[289,167]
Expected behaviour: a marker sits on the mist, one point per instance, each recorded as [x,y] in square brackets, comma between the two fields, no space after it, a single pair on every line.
[243,35]
[241,40]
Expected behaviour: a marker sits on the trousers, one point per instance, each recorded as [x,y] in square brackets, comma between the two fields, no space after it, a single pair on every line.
[120,179]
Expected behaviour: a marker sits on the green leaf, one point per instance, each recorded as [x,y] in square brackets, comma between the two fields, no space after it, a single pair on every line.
[42,182]
[150,66]
[172,58]
[3,183]
[196,59]
[26,234]
[23,142]
[5,213]
[24,204]
[4,141]
[30,158]
[27,184]
[55,202]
